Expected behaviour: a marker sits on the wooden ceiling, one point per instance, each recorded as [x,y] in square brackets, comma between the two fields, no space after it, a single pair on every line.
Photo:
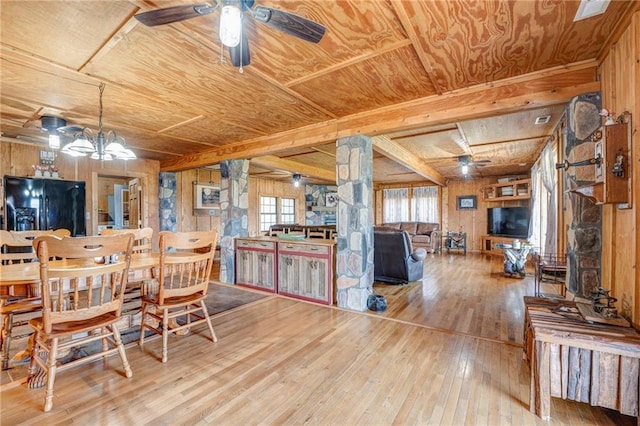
[429,80]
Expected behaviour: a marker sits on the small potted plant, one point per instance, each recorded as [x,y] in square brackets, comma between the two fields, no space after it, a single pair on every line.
[36,170]
[609,116]
[54,171]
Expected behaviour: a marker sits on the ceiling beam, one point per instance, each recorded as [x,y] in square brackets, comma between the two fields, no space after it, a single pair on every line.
[400,154]
[535,90]
[273,162]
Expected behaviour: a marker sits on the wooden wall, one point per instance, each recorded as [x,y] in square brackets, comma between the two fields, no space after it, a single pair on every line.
[188,219]
[16,159]
[620,74]
[259,187]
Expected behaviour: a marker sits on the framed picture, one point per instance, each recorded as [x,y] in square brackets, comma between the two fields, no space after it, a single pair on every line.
[467,202]
[331,199]
[206,196]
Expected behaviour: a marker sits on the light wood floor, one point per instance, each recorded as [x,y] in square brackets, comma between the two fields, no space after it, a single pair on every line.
[446,352]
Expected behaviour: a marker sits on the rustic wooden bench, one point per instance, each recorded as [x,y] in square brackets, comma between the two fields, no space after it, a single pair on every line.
[573,359]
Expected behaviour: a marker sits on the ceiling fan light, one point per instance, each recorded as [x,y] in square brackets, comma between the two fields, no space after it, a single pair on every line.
[465,169]
[54,140]
[230,26]
[296,180]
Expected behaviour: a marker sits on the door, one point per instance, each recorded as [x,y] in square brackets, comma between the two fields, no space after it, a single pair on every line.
[135,204]
[23,203]
[64,206]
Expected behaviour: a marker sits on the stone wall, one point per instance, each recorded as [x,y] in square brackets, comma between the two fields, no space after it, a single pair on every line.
[234,210]
[584,236]
[167,200]
[354,162]
[315,196]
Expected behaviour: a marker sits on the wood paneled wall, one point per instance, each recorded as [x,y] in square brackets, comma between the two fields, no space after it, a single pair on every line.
[620,74]
[16,159]
[264,187]
[188,219]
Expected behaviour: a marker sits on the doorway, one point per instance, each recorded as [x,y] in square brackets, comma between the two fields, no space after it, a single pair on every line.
[118,201]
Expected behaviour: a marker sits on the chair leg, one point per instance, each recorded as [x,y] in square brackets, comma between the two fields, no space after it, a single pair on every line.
[165,335]
[121,351]
[206,317]
[51,374]
[142,324]
[7,327]
[33,366]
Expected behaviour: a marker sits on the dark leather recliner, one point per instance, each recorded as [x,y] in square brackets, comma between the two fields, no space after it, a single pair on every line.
[395,261]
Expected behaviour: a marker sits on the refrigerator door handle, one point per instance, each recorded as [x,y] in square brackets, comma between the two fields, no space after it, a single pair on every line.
[46,213]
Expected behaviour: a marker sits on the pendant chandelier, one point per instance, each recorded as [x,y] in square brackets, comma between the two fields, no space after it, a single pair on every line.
[100,146]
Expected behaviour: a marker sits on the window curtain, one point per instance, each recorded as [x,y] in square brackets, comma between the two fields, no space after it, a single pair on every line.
[535,227]
[425,204]
[550,183]
[395,205]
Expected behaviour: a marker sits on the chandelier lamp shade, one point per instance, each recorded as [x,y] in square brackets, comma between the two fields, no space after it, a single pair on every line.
[99,146]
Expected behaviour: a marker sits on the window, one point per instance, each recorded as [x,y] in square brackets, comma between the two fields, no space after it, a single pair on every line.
[424,204]
[268,212]
[395,205]
[287,210]
[415,204]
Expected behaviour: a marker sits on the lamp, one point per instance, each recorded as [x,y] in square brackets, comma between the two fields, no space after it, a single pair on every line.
[296,179]
[465,169]
[230,25]
[51,125]
[105,147]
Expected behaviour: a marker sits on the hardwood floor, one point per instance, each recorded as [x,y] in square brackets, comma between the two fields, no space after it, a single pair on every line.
[445,352]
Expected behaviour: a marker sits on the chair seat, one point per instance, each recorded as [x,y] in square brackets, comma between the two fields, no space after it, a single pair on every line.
[21,306]
[73,327]
[173,302]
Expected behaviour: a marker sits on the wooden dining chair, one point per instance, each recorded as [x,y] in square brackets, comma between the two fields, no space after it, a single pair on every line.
[183,273]
[81,302]
[142,237]
[17,247]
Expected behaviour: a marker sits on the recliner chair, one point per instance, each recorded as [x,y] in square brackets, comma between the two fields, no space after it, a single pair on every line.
[395,261]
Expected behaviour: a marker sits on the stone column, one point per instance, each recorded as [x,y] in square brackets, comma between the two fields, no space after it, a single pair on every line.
[584,236]
[354,162]
[234,210]
[167,195]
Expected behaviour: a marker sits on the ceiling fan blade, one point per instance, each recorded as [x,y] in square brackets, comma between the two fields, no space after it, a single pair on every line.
[171,14]
[239,54]
[289,23]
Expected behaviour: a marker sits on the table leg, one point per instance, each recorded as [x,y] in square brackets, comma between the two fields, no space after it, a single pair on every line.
[540,397]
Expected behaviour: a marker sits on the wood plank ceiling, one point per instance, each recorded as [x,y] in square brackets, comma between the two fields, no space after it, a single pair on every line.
[432,80]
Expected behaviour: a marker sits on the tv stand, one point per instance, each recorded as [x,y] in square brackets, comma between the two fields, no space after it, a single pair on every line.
[489,243]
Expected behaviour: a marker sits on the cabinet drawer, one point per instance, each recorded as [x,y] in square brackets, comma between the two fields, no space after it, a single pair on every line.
[249,244]
[305,248]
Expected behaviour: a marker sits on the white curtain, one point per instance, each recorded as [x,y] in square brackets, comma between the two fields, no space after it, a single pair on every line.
[395,205]
[424,204]
[550,183]
[544,193]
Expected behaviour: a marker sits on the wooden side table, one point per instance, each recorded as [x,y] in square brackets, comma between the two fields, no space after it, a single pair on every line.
[456,240]
[576,360]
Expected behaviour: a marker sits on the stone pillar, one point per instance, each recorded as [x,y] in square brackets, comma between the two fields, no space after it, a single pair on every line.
[584,236]
[234,210]
[354,162]
[167,195]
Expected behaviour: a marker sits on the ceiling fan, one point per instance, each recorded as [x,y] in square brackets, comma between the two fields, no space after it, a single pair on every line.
[466,161]
[232,31]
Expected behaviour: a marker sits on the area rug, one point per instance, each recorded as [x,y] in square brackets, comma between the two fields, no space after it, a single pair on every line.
[220,298]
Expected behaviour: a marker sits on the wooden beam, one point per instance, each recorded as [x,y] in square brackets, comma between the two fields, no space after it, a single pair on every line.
[535,90]
[397,152]
[273,162]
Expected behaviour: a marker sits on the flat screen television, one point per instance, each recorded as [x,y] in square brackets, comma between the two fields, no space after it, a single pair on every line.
[508,222]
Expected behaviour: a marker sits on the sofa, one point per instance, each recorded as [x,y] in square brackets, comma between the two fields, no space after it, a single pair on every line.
[395,260]
[423,234]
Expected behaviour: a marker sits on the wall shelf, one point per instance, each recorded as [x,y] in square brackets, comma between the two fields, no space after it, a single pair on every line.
[514,190]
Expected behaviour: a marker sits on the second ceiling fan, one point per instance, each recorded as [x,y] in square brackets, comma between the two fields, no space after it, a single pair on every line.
[232,30]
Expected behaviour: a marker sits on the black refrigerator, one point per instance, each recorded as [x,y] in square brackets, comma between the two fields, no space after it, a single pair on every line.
[41,204]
